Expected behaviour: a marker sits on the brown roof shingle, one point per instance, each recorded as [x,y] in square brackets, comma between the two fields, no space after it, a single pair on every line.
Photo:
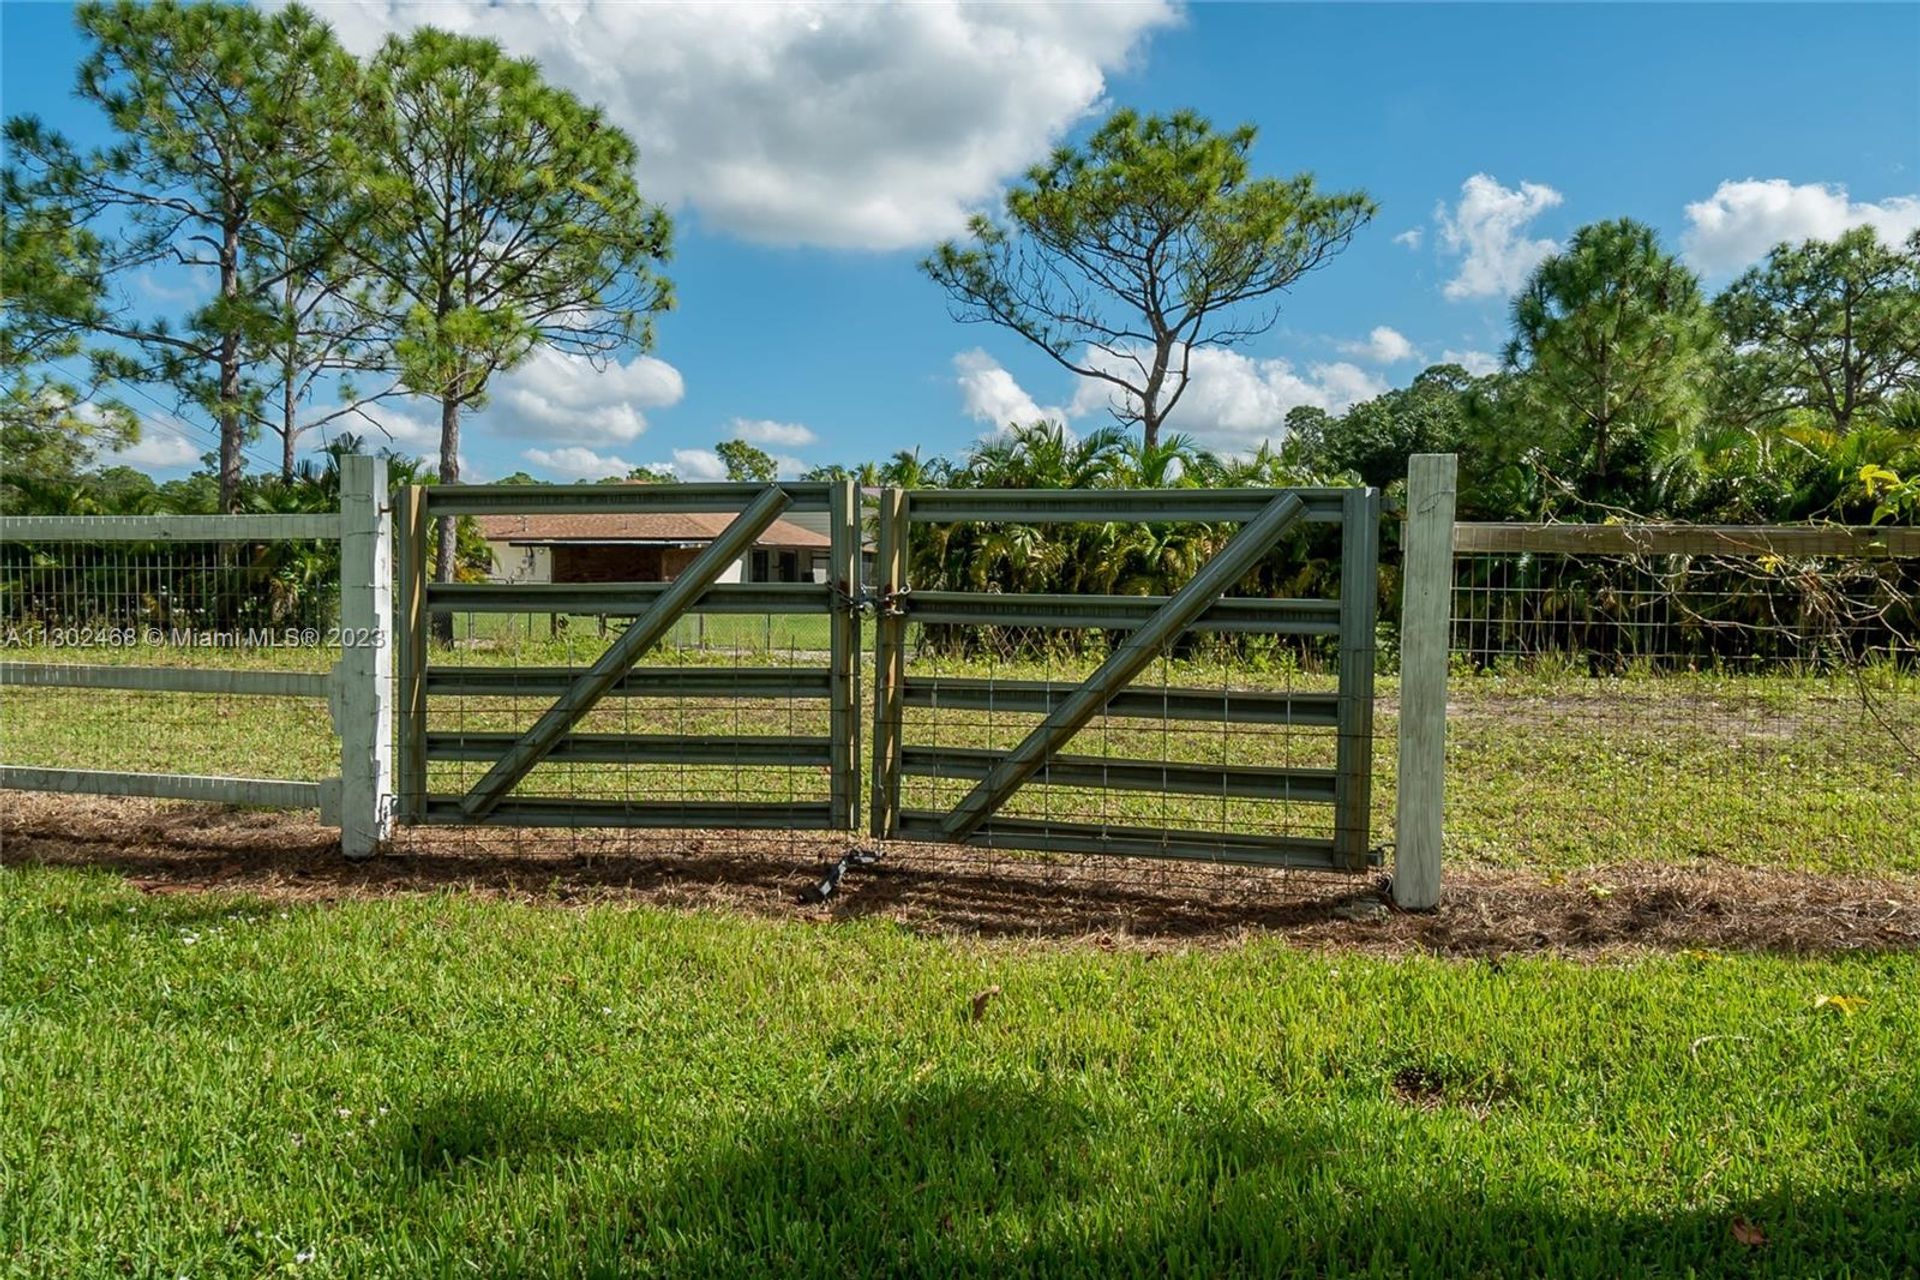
[639,526]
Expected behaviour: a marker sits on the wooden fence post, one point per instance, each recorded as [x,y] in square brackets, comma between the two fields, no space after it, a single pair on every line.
[890,648]
[1359,616]
[1425,636]
[362,700]
[411,642]
[843,575]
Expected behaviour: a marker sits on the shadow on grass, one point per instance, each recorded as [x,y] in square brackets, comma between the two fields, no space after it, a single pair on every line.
[502,1128]
[994,1181]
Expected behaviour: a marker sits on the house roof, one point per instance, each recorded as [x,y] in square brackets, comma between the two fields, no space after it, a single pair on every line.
[638,526]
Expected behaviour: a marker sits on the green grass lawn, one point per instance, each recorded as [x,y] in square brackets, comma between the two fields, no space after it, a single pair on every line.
[207,1086]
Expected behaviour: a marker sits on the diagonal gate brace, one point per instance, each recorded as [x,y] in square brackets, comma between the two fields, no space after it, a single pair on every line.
[685,592]
[1233,563]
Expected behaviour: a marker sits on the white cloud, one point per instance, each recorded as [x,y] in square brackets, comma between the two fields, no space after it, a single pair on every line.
[991,395]
[575,462]
[555,396]
[1487,230]
[1740,222]
[157,449]
[767,431]
[1231,403]
[160,291]
[697,464]
[1411,237]
[865,126]
[1383,346]
[392,426]
[1234,402]
[1477,363]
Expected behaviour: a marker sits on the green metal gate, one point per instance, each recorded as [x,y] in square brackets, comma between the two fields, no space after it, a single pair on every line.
[979,782]
[504,794]
[983,781]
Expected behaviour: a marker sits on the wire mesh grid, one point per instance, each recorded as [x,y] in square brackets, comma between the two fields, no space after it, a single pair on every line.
[1222,745]
[198,606]
[700,733]
[1755,709]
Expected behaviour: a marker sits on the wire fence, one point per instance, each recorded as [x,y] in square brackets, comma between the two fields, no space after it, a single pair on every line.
[1752,709]
[206,606]
[703,725]
[1202,748]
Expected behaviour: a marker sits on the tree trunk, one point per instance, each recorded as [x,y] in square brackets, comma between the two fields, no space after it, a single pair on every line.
[1150,430]
[1150,414]
[289,432]
[232,425]
[444,555]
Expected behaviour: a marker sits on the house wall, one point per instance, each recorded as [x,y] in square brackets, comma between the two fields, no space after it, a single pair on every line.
[775,564]
[609,563]
[521,564]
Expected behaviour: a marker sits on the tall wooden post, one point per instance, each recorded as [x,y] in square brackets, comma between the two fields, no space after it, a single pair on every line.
[1353,748]
[1425,620]
[410,630]
[843,716]
[890,660]
[363,686]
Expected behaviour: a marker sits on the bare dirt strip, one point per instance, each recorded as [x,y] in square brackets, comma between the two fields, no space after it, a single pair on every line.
[162,847]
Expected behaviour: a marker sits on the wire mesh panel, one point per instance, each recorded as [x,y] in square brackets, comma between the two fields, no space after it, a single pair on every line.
[1228,721]
[1737,703]
[595,712]
[204,657]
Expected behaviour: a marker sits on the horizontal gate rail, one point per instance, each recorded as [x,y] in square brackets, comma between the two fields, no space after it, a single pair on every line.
[1097,506]
[617,748]
[266,684]
[619,599]
[1253,782]
[560,811]
[275,793]
[319,527]
[639,682]
[608,499]
[1238,706]
[1073,837]
[1123,613]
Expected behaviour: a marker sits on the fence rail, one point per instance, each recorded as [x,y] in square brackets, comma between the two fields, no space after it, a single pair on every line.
[1471,538]
[318,526]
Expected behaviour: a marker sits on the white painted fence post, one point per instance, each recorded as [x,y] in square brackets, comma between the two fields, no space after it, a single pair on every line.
[362,700]
[1425,637]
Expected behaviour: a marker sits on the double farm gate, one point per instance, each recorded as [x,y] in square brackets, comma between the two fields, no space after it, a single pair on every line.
[1193,761]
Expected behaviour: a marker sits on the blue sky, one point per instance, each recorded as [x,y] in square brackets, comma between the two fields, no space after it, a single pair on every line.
[811,155]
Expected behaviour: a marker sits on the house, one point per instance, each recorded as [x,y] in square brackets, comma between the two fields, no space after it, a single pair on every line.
[643,547]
